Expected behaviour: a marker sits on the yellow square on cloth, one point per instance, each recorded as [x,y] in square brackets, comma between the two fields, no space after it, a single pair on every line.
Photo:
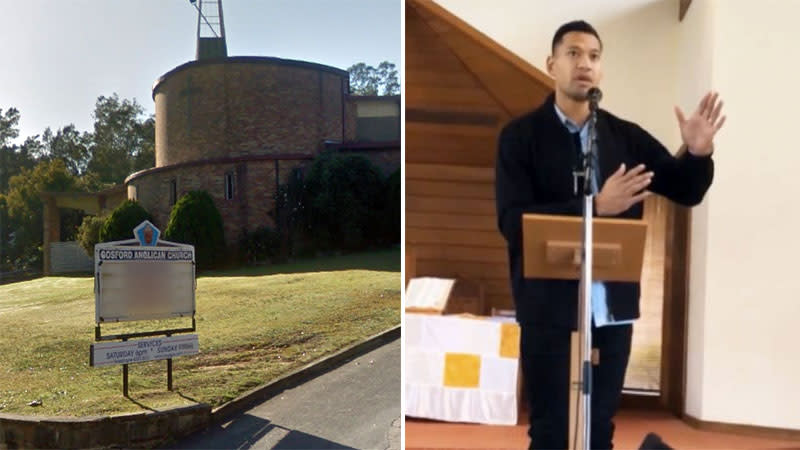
[509,340]
[462,370]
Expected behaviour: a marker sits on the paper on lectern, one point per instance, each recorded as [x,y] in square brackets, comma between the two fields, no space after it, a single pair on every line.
[428,293]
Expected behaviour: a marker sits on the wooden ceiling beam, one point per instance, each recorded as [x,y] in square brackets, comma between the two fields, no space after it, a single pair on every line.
[684,6]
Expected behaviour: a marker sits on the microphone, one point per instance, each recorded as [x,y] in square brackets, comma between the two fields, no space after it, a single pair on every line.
[594,95]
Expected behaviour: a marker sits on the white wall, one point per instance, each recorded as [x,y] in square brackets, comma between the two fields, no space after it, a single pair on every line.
[639,54]
[68,257]
[743,330]
[696,52]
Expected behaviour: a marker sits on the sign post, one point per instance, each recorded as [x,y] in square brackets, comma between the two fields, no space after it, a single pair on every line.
[143,279]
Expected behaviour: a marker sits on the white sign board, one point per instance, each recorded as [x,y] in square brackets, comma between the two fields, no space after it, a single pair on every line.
[138,282]
[107,353]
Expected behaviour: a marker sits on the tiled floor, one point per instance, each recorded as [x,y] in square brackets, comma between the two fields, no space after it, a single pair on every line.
[632,426]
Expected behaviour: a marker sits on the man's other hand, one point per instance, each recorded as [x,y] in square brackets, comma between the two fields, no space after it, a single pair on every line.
[622,190]
[698,130]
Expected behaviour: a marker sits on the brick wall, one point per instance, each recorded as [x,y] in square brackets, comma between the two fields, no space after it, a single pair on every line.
[139,430]
[247,106]
[387,160]
[252,203]
[351,119]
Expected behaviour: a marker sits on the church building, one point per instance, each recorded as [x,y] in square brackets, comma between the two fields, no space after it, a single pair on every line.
[238,127]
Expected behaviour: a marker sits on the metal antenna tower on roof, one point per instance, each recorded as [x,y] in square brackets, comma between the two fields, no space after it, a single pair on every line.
[210,30]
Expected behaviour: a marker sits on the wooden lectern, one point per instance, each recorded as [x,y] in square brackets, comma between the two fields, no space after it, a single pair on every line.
[552,250]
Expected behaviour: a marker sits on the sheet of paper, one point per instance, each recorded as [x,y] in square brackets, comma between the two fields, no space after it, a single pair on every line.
[428,292]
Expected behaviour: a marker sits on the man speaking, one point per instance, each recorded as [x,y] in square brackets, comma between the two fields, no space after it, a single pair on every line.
[537,155]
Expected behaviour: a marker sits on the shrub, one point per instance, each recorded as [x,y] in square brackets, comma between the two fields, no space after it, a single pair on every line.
[391,208]
[260,246]
[342,201]
[289,215]
[195,220]
[89,233]
[120,224]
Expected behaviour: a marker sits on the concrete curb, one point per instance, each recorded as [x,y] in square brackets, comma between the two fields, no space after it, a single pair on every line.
[257,395]
[135,430]
[152,429]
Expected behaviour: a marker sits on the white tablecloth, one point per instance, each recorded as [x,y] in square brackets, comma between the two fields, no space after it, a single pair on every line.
[461,369]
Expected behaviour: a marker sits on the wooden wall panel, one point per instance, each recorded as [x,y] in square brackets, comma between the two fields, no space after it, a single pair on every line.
[448,205]
[461,253]
[514,83]
[468,145]
[430,77]
[498,287]
[467,270]
[453,144]
[454,237]
[459,98]
[435,130]
[499,302]
[451,189]
[451,173]
[450,221]
[453,117]
[476,157]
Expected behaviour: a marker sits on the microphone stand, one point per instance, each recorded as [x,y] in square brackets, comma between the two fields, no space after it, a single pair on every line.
[585,295]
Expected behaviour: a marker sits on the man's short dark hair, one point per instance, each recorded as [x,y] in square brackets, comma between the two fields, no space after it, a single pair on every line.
[575,25]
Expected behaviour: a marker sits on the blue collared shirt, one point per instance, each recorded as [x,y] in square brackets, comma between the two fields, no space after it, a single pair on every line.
[602,316]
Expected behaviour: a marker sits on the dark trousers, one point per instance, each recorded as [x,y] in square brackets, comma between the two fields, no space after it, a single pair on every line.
[545,352]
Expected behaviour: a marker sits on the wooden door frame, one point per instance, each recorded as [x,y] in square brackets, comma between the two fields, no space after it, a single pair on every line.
[674,322]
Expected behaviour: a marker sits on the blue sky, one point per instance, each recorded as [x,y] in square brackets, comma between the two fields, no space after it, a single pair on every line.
[58,56]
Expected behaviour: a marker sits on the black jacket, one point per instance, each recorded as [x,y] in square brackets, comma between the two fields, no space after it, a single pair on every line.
[535,160]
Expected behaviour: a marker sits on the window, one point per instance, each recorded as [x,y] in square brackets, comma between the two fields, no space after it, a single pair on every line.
[297,174]
[229,186]
[173,192]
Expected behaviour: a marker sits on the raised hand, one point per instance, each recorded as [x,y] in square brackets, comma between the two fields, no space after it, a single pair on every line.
[699,129]
[622,190]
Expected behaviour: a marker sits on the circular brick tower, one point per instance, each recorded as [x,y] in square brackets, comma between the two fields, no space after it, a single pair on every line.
[237,127]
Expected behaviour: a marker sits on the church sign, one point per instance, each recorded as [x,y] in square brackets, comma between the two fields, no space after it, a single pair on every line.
[141,350]
[143,278]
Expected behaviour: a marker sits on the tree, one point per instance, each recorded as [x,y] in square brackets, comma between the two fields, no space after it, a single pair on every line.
[123,142]
[145,157]
[25,209]
[69,145]
[12,158]
[388,75]
[368,80]
[12,161]
[5,235]
[9,121]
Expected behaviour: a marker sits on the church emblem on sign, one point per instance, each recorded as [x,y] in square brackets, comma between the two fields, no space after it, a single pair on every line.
[147,234]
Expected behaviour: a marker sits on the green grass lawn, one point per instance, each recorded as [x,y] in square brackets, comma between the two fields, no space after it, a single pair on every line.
[254,325]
